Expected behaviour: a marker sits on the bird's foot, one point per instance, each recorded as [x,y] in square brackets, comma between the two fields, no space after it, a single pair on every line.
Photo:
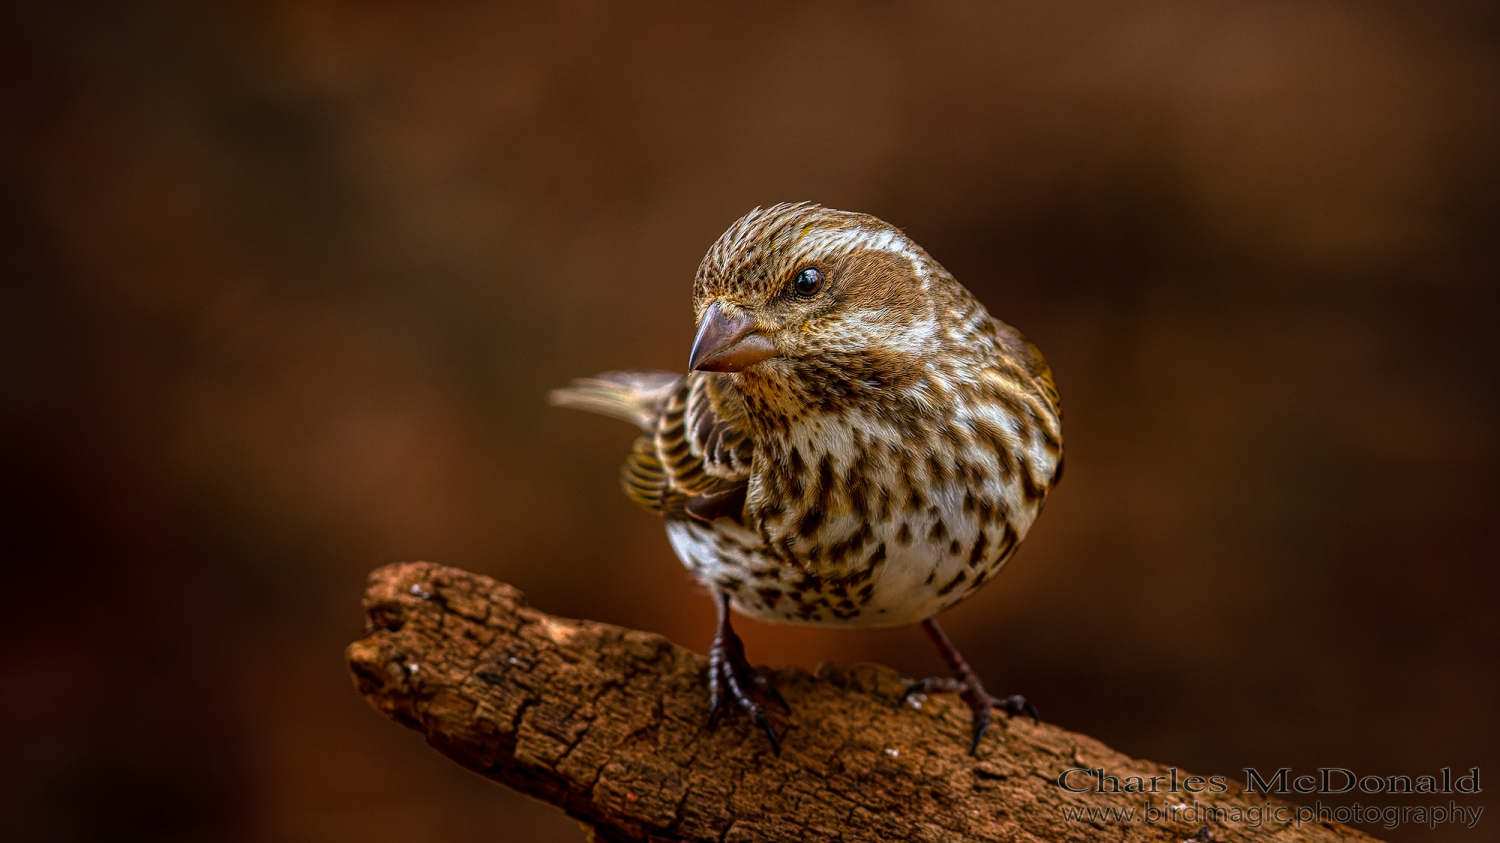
[981,703]
[965,682]
[731,678]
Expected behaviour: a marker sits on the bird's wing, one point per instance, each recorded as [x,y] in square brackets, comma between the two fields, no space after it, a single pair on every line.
[636,397]
[695,461]
[711,416]
[1044,408]
[1030,360]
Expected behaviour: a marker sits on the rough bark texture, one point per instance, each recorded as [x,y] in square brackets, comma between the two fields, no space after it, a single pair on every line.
[609,724]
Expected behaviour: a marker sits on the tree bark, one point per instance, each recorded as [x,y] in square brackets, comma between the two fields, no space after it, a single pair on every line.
[610,725]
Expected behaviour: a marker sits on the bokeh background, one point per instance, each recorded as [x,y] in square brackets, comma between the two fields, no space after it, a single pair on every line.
[285,285]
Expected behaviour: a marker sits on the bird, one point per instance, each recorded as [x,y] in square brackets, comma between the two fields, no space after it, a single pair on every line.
[857,442]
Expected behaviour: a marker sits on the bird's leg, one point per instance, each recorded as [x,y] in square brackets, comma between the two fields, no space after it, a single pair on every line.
[966,684]
[731,677]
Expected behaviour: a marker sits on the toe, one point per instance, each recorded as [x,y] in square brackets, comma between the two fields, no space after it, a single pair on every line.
[730,680]
[767,687]
[934,684]
[759,718]
[1016,705]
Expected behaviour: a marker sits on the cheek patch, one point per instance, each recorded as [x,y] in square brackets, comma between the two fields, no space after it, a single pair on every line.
[882,281]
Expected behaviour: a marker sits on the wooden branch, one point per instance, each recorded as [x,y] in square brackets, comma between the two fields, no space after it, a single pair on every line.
[610,725]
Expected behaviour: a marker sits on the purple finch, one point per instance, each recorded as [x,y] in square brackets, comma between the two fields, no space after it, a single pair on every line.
[858,442]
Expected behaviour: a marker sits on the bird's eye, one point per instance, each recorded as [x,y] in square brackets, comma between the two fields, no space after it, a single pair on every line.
[808,282]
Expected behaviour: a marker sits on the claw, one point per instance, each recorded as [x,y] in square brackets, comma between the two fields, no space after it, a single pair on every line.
[758,717]
[919,687]
[715,699]
[981,725]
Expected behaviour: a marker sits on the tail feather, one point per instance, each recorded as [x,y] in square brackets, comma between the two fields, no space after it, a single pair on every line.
[635,397]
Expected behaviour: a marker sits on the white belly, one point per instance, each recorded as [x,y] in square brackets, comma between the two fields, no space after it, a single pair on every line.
[910,580]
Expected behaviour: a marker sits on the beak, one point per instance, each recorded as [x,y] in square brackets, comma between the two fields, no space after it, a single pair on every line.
[728,343]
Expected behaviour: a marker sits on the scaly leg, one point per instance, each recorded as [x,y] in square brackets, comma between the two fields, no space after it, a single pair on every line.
[966,684]
[731,676]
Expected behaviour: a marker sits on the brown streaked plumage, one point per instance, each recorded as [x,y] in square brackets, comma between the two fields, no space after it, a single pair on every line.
[859,443]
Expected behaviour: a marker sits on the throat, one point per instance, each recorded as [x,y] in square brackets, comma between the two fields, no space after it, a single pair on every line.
[807,397]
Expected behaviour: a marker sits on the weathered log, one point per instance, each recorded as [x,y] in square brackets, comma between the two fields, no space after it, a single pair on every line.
[610,725]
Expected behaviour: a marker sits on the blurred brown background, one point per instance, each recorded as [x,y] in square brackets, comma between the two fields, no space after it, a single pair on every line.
[285,284]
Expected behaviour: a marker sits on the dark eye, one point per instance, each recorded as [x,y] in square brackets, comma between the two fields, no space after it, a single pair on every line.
[809,281]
